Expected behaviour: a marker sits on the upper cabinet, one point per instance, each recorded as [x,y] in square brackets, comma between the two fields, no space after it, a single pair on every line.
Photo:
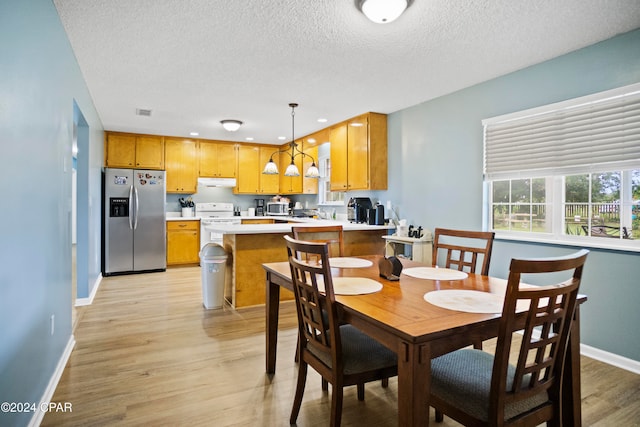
[310,145]
[218,159]
[251,161]
[359,153]
[358,159]
[290,184]
[134,151]
[181,165]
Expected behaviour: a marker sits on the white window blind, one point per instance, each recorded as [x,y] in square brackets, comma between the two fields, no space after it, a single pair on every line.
[589,133]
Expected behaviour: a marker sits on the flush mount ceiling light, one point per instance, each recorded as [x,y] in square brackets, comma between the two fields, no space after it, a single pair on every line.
[383,11]
[231,125]
[292,151]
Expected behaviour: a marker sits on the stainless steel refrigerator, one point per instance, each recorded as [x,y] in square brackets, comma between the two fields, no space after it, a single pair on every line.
[134,221]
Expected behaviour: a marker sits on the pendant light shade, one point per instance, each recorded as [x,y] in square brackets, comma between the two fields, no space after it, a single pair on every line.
[270,168]
[383,11]
[313,171]
[292,170]
[292,151]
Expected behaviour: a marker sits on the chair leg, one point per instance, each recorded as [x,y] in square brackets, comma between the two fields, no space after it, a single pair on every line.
[439,416]
[477,345]
[325,385]
[297,401]
[385,382]
[360,388]
[336,405]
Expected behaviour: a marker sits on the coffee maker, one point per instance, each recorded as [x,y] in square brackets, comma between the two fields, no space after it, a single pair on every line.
[358,209]
[259,207]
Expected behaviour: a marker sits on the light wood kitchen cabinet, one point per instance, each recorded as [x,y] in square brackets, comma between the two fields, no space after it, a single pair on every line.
[183,242]
[258,221]
[309,185]
[338,140]
[359,153]
[251,162]
[181,165]
[134,151]
[218,159]
[269,184]
[290,184]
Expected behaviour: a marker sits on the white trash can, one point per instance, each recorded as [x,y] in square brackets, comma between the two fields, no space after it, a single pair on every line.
[213,261]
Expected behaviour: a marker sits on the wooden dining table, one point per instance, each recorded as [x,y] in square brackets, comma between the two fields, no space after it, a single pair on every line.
[400,318]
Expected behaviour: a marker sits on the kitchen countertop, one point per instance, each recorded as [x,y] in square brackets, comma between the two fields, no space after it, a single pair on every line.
[182,218]
[275,228]
[286,227]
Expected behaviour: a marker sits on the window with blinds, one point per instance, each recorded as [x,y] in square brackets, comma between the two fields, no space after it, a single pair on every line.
[570,170]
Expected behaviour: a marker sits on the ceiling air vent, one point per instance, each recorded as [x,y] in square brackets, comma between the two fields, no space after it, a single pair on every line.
[143,112]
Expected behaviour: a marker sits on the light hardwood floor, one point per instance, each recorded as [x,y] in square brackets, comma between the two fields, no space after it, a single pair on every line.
[148,353]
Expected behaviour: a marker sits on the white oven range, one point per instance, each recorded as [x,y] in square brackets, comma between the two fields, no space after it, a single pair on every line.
[214,213]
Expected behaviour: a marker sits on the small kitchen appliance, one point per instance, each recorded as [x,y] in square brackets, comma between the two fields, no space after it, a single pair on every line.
[361,206]
[259,207]
[351,210]
[379,214]
[277,208]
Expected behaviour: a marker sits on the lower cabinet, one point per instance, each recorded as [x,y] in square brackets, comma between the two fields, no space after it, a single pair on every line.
[258,221]
[183,242]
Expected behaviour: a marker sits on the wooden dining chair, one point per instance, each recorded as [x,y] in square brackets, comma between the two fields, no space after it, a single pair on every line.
[476,243]
[333,235]
[479,389]
[341,354]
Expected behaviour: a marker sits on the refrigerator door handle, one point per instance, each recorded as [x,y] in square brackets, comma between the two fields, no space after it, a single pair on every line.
[135,224]
[130,205]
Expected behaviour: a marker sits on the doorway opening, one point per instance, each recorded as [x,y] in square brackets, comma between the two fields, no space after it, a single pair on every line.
[79,208]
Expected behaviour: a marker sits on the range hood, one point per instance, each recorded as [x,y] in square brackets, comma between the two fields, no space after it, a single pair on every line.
[217,182]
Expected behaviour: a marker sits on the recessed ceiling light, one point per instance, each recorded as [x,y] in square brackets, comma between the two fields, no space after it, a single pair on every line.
[322,120]
[249,138]
[194,133]
[282,138]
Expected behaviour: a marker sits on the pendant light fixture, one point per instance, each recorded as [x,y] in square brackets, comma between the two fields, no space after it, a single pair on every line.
[292,170]
[383,11]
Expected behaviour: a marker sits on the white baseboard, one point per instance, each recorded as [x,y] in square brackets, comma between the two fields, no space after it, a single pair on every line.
[610,358]
[604,356]
[37,417]
[89,300]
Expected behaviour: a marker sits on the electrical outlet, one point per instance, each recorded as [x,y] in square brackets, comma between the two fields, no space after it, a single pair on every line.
[53,323]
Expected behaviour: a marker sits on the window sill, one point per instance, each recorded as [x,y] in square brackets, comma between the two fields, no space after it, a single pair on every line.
[583,242]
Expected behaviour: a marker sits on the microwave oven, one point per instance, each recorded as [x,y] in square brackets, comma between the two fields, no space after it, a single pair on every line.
[277,208]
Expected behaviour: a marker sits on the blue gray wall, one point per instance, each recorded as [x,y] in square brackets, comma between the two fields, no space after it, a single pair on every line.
[435,173]
[39,83]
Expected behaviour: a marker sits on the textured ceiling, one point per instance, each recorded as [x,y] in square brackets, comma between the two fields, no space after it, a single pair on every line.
[196,62]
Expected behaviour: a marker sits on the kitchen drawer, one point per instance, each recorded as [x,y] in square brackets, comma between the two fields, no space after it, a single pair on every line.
[183,225]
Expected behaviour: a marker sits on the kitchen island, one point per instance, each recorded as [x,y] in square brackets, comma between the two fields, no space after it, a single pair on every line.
[250,245]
